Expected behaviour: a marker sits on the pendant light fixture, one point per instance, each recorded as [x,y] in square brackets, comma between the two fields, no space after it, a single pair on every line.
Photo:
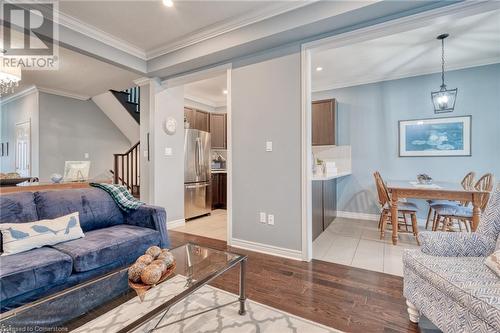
[444,99]
[9,77]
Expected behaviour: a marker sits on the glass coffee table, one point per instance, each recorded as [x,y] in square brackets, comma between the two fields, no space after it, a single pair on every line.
[108,302]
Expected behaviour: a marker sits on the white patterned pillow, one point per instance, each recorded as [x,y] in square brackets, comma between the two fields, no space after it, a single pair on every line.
[20,237]
[493,262]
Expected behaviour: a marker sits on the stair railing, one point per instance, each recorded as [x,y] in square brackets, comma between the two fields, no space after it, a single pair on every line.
[126,169]
[134,96]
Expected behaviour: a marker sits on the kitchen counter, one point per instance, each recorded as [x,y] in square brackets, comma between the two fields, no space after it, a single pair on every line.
[329,177]
[219,171]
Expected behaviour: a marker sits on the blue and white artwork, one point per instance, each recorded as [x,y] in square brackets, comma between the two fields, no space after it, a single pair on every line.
[435,137]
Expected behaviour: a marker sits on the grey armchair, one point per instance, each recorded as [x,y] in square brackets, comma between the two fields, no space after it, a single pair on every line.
[447,281]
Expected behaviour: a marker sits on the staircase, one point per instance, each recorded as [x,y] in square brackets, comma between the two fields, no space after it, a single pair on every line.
[130,99]
[126,169]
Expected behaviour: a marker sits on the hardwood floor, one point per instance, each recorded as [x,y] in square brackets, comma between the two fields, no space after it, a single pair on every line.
[346,298]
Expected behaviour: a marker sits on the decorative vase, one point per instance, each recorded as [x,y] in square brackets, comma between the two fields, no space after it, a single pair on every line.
[56,178]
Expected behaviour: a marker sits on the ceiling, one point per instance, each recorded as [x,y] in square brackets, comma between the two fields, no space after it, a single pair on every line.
[209,90]
[473,41]
[78,75]
[153,27]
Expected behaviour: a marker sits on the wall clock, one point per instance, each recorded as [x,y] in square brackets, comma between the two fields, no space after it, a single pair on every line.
[170,126]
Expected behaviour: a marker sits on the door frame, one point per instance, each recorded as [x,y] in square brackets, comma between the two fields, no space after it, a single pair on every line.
[202,75]
[29,146]
[411,22]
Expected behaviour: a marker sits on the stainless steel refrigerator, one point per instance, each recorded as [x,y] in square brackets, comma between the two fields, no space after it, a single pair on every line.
[197,187]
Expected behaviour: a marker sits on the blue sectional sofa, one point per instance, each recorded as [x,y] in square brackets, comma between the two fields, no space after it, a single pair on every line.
[112,239]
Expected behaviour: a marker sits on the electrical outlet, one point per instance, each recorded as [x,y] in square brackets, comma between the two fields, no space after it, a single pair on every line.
[262,217]
[270,219]
[168,151]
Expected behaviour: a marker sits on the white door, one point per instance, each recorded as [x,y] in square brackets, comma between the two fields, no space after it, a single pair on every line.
[23,149]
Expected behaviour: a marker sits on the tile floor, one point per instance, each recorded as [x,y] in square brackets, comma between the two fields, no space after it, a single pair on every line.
[357,243]
[212,226]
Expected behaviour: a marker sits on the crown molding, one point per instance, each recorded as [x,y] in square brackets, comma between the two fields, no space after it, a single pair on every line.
[63,93]
[142,81]
[18,95]
[200,100]
[426,71]
[198,36]
[90,31]
[226,26]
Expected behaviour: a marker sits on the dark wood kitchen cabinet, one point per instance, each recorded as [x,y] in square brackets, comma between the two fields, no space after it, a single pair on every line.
[219,191]
[197,119]
[202,121]
[324,205]
[323,120]
[218,130]
[189,116]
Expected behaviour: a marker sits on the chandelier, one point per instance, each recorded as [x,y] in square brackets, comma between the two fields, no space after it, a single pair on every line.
[444,99]
[9,77]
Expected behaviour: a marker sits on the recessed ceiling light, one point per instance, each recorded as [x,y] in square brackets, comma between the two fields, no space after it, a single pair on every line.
[319,69]
[168,3]
[224,91]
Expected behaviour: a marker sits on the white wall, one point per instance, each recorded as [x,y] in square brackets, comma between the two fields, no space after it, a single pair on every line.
[15,111]
[168,171]
[266,101]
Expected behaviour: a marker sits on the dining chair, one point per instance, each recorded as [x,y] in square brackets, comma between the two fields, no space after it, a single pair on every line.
[466,182]
[463,213]
[404,209]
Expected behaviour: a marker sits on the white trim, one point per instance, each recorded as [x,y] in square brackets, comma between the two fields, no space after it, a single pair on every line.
[426,71]
[176,224]
[197,76]
[90,31]
[358,216]
[225,26]
[306,155]
[266,249]
[229,158]
[18,95]
[200,100]
[415,21]
[190,39]
[462,9]
[63,93]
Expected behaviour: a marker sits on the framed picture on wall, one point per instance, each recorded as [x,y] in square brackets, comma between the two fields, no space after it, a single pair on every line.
[450,136]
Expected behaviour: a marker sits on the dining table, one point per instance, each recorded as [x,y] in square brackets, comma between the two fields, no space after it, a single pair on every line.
[406,189]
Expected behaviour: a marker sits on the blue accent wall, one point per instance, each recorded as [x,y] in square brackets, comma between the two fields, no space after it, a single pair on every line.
[368,118]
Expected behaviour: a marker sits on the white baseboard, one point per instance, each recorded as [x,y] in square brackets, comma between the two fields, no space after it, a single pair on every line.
[266,249]
[359,216]
[176,223]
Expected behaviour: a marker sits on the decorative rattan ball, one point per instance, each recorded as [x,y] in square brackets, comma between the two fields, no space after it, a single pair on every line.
[151,274]
[167,258]
[134,271]
[153,251]
[145,259]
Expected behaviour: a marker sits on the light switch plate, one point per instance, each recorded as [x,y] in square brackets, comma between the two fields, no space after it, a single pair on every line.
[145,153]
[168,151]
[270,219]
[86,155]
[269,146]
[262,217]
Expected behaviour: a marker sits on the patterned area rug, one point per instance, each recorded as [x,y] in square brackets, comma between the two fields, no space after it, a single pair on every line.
[259,317]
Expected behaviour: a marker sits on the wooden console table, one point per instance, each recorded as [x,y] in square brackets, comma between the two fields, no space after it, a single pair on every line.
[34,187]
[441,190]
